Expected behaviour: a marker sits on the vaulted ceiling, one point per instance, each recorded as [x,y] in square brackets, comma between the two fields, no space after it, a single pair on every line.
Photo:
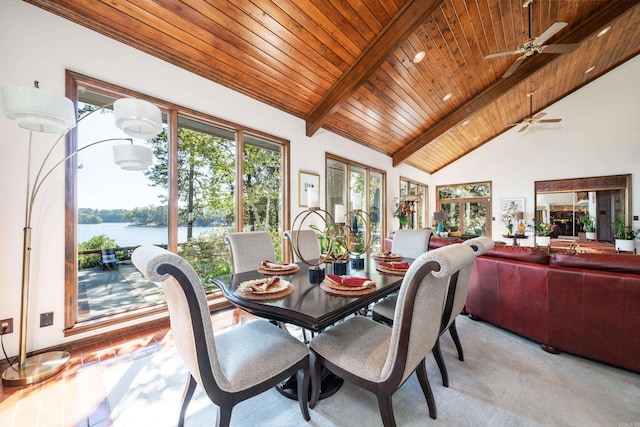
[347,66]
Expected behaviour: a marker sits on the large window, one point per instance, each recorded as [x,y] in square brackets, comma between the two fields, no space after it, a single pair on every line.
[414,194]
[348,181]
[208,177]
[468,207]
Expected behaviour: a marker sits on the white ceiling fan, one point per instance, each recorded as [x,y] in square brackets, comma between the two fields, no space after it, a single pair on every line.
[535,44]
[531,120]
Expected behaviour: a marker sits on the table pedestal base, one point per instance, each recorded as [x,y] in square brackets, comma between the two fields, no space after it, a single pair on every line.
[329,385]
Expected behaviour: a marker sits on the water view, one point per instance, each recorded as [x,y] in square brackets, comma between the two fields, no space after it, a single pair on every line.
[127,235]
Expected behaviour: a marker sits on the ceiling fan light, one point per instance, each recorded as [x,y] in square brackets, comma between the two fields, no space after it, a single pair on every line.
[137,118]
[37,109]
[419,57]
[132,157]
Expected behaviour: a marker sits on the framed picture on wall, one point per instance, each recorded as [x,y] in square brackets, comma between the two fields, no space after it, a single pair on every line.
[306,180]
[509,207]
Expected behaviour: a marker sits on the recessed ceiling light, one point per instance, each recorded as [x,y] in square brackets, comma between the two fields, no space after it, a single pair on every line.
[477,137]
[419,56]
[604,31]
[590,69]
[447,96]
[466,122]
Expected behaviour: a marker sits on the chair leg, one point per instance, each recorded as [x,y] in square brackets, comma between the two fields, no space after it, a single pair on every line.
[456,339]
[316,380]
[187,394]
[437,354]
[303,392]
[421,371]
[223,418]
[386,410]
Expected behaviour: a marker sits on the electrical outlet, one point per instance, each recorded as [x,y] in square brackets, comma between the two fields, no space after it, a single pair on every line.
[8,323]
[46,319]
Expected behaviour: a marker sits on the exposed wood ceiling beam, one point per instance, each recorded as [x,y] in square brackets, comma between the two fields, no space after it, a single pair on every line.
[604,17]
[395,33]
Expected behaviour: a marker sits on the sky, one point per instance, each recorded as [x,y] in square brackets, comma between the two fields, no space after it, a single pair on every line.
[101,183]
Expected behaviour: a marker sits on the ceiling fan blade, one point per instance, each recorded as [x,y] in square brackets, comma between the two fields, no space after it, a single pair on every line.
[523,128]
[558,48]
[550,32]
[537,116]
[513,67]
[549,121]
[505,53]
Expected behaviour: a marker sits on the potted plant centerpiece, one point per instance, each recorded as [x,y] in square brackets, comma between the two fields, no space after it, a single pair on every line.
[589,226]
[543,233]
[625,236]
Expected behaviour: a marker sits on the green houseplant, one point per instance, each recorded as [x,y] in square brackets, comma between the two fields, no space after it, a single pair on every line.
[543,233]
[625,236]
[588,225]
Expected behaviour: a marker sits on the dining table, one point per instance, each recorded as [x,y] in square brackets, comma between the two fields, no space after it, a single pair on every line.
[310,306]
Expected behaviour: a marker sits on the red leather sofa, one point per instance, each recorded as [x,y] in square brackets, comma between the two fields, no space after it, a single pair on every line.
[584,304]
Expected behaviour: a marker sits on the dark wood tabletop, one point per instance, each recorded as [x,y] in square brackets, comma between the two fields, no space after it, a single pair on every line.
[309,306]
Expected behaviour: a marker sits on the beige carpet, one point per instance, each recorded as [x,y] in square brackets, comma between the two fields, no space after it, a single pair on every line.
[505,380]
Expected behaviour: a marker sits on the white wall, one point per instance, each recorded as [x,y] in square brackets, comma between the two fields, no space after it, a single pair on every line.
[599,135]
[37,45]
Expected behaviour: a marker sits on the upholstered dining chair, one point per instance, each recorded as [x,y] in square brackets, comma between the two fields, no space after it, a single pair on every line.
[454,304]
[380,359]
[411,243]
[249,249]
[232,366]
[457,291]
[307,243]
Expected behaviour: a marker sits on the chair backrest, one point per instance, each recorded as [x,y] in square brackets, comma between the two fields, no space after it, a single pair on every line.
[418,312]
[306,242]
[459,284]
[188,313]
[107,254]
[480,245]
[249,249]
[411,243]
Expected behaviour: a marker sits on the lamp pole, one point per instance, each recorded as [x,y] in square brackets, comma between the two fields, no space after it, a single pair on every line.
[16,102]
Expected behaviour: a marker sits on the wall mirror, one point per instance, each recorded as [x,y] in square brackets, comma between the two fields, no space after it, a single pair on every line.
[563,202]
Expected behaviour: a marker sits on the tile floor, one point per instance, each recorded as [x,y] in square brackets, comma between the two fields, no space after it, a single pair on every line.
[76,397]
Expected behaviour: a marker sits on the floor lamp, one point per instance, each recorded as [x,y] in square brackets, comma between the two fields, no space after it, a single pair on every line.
[39,110]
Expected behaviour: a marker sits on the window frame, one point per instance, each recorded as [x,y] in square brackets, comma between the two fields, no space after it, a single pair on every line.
[73,81]
[461,201]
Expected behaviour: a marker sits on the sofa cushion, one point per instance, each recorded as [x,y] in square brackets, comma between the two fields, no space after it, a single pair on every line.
[519,253]
[619,263]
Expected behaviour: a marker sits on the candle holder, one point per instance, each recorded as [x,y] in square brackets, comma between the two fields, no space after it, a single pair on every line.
[353,218]
[316,269]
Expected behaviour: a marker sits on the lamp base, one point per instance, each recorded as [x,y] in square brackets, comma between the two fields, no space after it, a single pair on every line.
[36,368]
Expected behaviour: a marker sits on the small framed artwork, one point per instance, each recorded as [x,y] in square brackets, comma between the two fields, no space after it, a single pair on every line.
[307,180]
[509,208]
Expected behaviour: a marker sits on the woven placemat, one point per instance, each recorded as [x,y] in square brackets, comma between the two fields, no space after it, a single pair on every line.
[283,272]
[394,271]
[391,257]
[266,296]
[350,293]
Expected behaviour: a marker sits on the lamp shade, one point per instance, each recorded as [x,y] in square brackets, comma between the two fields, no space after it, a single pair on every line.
[137,118]
[132,157]
[38,110]
[440,216]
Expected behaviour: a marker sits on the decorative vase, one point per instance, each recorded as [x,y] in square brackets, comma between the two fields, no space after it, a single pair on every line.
[625,245]
[543,241]
[403,221]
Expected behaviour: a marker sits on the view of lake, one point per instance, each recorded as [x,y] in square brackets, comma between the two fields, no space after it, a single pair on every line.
[126,235]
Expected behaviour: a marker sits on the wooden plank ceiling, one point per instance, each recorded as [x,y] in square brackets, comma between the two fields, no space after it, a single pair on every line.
[348,66]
